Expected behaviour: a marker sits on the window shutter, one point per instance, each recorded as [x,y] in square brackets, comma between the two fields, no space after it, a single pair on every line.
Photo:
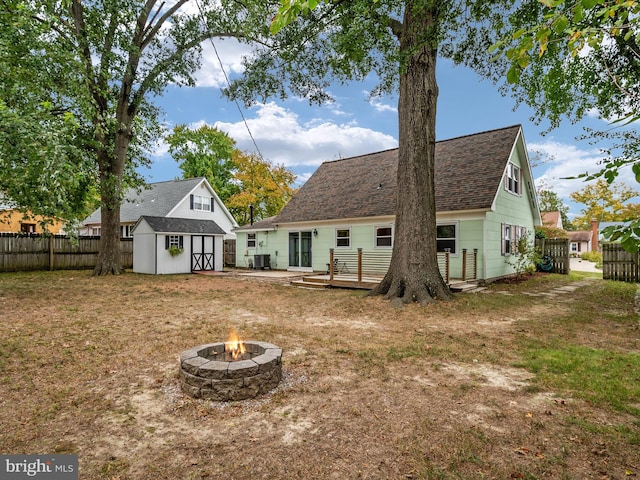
[502,235]
[213,201]
[166,242]
[181,241]
[191,201]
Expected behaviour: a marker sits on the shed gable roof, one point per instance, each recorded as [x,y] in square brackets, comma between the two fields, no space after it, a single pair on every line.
[182,225]
[468,173]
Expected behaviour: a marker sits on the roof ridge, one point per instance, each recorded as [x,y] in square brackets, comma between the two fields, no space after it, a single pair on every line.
[517,125]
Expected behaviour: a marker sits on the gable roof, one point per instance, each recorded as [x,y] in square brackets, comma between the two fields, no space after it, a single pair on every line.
[156,199]
[580,236]
[181,225]
[551,219]
[468,172]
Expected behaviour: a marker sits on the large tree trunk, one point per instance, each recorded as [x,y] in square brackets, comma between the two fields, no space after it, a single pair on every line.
[111,176]
[413,274]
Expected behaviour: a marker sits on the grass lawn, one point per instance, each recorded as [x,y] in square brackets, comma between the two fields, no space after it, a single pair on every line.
[539,379]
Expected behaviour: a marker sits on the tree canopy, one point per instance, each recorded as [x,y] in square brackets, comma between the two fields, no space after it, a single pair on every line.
[572,58]
[87,72]
[241,180]
[605,203]
[265,187]
[205,152]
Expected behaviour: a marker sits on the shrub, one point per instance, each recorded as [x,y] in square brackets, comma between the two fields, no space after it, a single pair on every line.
[592,257]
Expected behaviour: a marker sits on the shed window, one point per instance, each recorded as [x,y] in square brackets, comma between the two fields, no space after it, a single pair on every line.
[446,237]
[343,237]
[173,241]
[384,237]
[251,240]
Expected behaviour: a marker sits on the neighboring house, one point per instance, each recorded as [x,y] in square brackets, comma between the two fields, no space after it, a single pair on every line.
[580,242]
[14,221]
[484,200]
[196,215]
[552,219]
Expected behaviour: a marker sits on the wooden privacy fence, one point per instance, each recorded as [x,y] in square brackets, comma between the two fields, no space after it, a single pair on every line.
[54,252]
[558,250]
[229,253]
[618,264]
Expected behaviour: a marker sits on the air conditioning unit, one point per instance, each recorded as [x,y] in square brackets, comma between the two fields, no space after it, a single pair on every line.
[262,261]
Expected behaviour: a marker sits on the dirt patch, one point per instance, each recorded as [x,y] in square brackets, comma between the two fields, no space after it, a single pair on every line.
[89,365]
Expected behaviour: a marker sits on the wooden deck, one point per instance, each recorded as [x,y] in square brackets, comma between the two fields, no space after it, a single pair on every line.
[367,282]
[339,281]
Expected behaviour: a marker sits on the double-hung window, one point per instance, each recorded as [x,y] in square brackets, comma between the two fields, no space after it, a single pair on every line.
[513,179]
[384,236]
[446,238]
[251,240]
[343,237]
[511,234]
[201,202]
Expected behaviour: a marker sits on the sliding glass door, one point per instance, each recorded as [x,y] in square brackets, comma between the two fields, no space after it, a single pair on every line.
[300,249]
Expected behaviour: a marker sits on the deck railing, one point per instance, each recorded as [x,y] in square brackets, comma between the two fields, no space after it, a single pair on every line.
[377,263]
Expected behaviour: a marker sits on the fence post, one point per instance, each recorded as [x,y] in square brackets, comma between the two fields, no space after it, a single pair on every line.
[331,264]
[51,253]
[359,265]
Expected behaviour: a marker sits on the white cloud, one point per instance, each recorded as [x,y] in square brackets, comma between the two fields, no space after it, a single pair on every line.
[230,51]
[564,160]
[283,139]
[568,160]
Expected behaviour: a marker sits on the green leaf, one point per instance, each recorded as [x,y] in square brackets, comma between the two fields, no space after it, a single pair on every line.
[513,75]
[560,24]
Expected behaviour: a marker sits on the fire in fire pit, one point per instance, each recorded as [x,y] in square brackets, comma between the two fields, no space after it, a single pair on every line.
[232,370]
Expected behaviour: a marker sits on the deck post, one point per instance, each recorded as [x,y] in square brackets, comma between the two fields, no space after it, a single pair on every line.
[359,265]
[464,264]
[331,264]
[446,257]
[475,263]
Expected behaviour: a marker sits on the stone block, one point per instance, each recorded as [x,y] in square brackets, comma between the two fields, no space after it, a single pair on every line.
[191,365]
[243,368]
[213,370]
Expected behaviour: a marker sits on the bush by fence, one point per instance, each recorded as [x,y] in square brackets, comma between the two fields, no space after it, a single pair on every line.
[54,252]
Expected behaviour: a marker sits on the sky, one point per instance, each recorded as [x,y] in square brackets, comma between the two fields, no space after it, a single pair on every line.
[299,136]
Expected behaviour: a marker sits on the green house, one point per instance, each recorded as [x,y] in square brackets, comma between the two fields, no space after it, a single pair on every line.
[485,200]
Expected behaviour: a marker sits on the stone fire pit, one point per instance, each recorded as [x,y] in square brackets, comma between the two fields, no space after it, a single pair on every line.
[209,372]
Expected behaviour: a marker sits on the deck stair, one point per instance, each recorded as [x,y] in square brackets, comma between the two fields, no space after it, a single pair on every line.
[460,286]
[310,282]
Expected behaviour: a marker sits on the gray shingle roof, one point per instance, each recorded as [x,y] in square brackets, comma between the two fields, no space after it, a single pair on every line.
[468,173]
[156,199]
[183,225]
[265,223]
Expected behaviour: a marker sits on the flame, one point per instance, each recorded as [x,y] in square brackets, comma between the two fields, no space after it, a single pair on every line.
[234,345]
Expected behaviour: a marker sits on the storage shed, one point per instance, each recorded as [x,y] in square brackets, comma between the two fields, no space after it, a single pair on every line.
[165,245]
